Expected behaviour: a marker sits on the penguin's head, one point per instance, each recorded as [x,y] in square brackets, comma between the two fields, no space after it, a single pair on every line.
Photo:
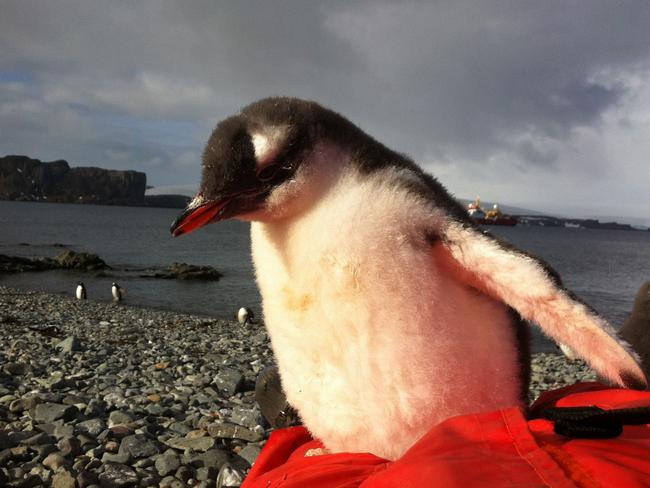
[258,165]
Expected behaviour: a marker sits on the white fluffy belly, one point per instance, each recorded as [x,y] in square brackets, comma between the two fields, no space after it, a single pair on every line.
[374,344]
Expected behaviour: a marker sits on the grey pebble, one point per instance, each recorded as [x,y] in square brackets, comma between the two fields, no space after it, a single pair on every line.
[250,454]
[93,427]
[139,446]
[167,463]
[49,412]
[200,444]
[117,476]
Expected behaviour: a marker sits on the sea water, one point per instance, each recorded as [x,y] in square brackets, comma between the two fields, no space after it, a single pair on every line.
[603,267]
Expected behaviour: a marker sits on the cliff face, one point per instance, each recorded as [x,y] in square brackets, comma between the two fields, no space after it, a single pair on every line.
[27,179]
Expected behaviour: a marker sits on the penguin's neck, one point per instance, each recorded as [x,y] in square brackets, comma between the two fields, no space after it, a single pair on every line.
[374,343]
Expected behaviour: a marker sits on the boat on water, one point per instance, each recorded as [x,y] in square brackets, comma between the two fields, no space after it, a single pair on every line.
[492,217]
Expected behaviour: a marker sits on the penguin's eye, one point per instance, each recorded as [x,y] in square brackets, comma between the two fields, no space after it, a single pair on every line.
[267,172]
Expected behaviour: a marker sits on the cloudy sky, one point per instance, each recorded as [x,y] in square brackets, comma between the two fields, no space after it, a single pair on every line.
[544,105]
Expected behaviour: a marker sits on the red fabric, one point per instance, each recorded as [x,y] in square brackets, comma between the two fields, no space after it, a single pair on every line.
[495,449]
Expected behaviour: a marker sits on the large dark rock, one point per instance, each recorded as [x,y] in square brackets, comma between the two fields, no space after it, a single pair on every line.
[16,264]
[83,261]
[27,179]
[80,260]
[184,271]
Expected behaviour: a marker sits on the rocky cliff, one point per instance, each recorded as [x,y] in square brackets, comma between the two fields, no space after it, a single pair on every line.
[27,179]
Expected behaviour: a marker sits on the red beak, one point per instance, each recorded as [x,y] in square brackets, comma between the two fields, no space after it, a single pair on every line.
[196,216]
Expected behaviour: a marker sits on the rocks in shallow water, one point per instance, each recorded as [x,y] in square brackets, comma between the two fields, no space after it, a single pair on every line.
[184,271]
[80,260]
[66,260]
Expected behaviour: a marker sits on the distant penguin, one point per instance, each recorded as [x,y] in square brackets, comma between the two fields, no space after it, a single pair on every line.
[637,328]
[245,315]
[568,352]
[80,293]
[116,291]
[347,234]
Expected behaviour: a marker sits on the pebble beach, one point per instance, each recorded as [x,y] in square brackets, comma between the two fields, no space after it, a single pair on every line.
[105,394]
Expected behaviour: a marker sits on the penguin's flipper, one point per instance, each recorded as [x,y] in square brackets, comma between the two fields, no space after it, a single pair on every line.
[535,291]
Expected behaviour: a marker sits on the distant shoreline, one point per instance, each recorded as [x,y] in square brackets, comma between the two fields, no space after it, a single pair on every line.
[154,201]
[180,202]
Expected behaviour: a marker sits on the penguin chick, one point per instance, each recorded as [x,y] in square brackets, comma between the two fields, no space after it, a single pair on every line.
[346,235]
[116,291]
[636,329]
[80,292]
[245,315]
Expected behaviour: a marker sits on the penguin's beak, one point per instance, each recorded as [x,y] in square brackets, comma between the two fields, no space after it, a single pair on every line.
[202,211]
[199,213]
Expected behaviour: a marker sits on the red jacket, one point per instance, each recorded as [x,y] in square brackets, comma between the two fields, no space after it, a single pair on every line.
[492,449]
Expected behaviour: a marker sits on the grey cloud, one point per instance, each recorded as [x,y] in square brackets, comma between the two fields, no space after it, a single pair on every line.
[455,83]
